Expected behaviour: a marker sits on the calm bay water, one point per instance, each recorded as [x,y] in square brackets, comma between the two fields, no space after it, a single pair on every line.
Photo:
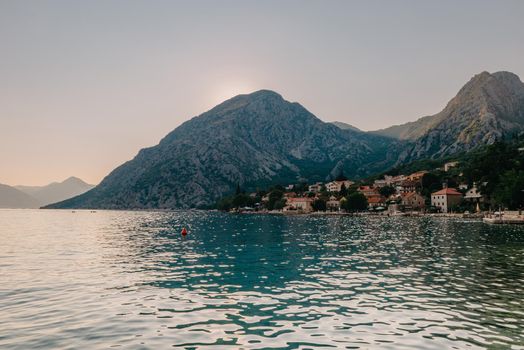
[128,279]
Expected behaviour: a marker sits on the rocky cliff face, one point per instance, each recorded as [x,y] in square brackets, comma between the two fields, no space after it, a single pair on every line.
[253,140]
[487,108]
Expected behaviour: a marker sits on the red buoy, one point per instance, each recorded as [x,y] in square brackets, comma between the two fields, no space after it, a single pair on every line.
[184,231]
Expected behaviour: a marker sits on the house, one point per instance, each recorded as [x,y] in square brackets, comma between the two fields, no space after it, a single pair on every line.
[413,200]
[336,186]
[407,186]
[373,196]
[368,190]
[417,177]
[445,199]
[450,165]
[333,204]
[316,187]
[380,183]
[396,180]
[375,201]
[463,186]
[300,204]
[474,195]
[386,181]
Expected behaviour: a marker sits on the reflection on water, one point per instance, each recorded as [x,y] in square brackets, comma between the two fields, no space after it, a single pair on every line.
[109,279]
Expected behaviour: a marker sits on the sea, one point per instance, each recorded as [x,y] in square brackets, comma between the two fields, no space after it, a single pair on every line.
[129,280]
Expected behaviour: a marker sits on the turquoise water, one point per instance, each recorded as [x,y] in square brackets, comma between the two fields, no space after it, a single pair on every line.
[128,279]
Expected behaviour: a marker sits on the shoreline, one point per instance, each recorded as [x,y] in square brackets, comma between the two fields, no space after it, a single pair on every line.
[509,217]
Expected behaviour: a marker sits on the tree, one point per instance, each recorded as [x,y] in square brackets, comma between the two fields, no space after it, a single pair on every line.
[319,205]
[343,190]
[224,204]
[387,191]
[274,196]
[341,176]
[510,190]
[279,204]
[235,201]
[323,191]
[242,200]
[431,182]
[301,187]
[356,201]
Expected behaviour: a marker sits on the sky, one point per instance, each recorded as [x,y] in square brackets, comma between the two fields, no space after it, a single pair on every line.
[85,84]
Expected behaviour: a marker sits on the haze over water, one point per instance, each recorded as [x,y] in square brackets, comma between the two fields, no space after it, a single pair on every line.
[127,279]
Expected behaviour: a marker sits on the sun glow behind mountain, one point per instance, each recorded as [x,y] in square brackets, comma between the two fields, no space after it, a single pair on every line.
[230,89]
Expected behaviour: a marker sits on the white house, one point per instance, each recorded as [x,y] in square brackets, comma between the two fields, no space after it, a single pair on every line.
[445,199]
[301,204]
[336,186]
[450,165]
[413,200]
[333,204]
[316,187]
[474,195]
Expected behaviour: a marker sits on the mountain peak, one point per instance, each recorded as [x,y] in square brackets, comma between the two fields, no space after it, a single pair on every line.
[257,95]
[499,89]
[497,80]
[74,179]
[495,100]
[505,75]
[264,93]
[252,140]
[242,100]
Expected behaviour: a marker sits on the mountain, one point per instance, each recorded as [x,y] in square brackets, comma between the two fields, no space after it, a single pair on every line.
[410,130]
[253,140]
[12,198]
[345,126]
[56,191]
[260,139]
[487,108]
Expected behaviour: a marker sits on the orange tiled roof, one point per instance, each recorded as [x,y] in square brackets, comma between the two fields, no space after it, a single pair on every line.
[375,199]
[448,191]
[300,199]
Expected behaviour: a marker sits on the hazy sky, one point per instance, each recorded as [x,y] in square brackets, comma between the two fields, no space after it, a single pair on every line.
[85,84]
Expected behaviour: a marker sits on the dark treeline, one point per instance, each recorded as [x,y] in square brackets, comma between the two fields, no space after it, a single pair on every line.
[274,198]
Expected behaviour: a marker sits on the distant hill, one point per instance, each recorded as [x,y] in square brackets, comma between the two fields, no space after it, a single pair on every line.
[56,191]
[410,130]
[345,126]
[12,198]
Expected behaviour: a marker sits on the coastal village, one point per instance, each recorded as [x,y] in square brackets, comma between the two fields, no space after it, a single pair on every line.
[402,194]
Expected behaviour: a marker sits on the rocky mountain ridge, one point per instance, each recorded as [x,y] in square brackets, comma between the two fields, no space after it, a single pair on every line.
[487,108]
[260,139]
[253,140]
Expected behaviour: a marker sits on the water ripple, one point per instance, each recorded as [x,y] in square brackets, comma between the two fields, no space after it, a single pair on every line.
[128,279]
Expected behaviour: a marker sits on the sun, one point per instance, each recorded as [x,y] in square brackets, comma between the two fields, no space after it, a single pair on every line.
[225,91]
